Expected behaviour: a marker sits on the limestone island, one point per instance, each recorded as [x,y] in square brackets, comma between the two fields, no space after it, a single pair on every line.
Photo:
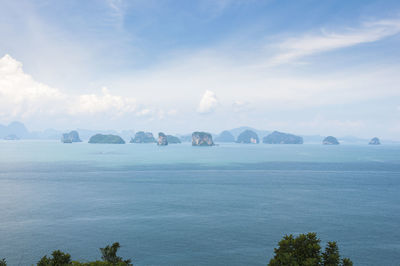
[70,137]
[247,137]
[162,139]
[282,138]
[106,139]
[225,136]
[330,141]
[143,137]
[375,141]
[11,137]
[173,140]
[202,139]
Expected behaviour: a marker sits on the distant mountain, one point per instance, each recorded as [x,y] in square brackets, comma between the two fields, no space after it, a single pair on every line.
[15,128]
[225,136]
[237,131]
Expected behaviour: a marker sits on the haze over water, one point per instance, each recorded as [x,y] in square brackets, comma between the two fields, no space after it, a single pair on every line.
[182,205]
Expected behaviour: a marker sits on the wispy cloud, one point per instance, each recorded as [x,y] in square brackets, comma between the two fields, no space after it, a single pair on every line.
[295,48]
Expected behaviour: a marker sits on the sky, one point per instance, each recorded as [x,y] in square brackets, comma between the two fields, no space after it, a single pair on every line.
[306,67]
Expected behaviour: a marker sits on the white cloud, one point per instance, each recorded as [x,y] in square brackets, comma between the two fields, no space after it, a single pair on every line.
[309,44]
[22,96]
[208,103]
[92,103]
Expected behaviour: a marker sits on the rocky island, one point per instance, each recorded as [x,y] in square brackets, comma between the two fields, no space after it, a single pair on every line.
[11,137]
[143,137]
[70,137]
[248,136]
[225,136]
[106,139]
[375,141]
[202,139]
[330,141]
[282,138]
[162,139]
[173,140]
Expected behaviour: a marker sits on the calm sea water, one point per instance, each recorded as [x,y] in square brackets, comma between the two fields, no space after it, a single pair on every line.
[183,205]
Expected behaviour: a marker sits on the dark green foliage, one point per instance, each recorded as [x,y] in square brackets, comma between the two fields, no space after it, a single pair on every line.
[248,136]
[109,254]
[109,257]
[59,258]
[305,250]
[282,138]
[225,136]
[331,255]
[347,262]
[106,139]
[3,262]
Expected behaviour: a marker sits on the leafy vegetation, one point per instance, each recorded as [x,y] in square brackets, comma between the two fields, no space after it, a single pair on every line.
[109,258]
[106,139]
[305,250]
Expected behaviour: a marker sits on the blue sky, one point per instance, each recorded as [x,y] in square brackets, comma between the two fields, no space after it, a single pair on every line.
[307,67]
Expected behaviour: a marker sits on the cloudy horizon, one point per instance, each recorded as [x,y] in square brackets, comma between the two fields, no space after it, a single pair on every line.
[212,65]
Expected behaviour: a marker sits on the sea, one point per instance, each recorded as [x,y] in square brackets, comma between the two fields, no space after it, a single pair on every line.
[229,204]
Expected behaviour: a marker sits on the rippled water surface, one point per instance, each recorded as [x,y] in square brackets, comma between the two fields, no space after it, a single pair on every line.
[182,205]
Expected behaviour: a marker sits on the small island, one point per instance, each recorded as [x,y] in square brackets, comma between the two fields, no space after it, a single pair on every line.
[202,139]
[11,137]
[70,137]
[248,137]
[143,137]
[330,141]
[162,139]
[225,136]
[282,138]
[173,140]
[375,141]
[106,139]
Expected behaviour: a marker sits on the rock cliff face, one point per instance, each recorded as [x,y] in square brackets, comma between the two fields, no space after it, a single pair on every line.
[225,136]
[248,136]
[375,141]
[143,137]
[162,139]
[70,137]
[202,139]
[173,140]
[106,139]
[282,138]
[330,141]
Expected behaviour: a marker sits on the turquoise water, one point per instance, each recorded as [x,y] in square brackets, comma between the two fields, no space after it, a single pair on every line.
[182,205]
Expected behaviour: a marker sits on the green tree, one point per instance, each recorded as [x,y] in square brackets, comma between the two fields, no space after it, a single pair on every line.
[3,262]
[305,250]
[59,258]
[331,255]
[109,254]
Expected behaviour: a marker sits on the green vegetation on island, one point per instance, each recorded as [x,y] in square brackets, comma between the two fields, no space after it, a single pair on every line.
[106,139]
[143,137]
[282,138]
[305,250]
[248,136]
[202,139]
[330,141]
